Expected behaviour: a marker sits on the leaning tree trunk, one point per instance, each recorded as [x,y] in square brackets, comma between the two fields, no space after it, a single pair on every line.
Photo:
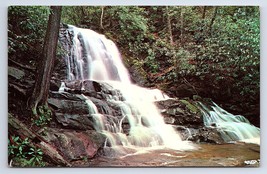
[46,63]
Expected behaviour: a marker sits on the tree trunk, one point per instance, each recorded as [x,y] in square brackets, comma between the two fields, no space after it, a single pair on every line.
[45,65]
[204,12]
[169,25]
[212,20]
[101,18]
[182,26]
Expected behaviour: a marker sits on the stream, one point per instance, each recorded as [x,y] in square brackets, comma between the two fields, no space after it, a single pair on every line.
[207,155]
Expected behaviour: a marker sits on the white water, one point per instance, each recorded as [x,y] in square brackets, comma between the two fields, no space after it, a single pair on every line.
[97,58]
[232,127]
[94,57]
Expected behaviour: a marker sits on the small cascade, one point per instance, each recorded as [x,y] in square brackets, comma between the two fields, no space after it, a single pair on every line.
[109,126]
[94,57]
[62,87]
[232,127]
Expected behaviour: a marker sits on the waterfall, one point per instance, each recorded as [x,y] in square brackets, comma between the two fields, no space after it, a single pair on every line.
[232,127]
[94,57]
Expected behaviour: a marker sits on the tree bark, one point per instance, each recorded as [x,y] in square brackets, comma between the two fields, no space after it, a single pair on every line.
[169,25]
[213,19]
[101,18]
[45,65]
[182,26]
[204,12]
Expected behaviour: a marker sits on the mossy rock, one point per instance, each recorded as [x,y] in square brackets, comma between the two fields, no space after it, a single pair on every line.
[197,98]
[190,107]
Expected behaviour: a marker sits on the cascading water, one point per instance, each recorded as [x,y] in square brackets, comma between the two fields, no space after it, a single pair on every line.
[232,127]
[94,57]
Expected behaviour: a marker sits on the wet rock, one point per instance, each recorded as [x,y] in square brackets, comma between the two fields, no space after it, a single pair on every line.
[164,104]
[208,135]
[138,75]
[75,121]
[82,85]
[190,106]
[75,111]
[169,120]
[75,145]
[66,96]
[187,119]
[60,69]
[68,106]
[176,110]
[54,84]
[103,106]
[201,135]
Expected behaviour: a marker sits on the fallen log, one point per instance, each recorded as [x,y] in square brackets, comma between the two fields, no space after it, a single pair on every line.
[18,128]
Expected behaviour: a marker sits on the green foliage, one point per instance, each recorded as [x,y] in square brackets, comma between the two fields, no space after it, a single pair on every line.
[132,23]
[22,154]
[81,15]
[31,20]
[36,157]
[151,62]
[44,115]
[17,146]
[231,53]
[26,30]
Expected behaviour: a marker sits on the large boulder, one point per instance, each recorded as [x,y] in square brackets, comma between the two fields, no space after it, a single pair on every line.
[75,121]
[200,135]
[68,106]
[74,145]
[180,112]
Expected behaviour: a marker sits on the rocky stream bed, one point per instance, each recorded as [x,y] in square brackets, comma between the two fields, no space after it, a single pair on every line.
[72,134]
